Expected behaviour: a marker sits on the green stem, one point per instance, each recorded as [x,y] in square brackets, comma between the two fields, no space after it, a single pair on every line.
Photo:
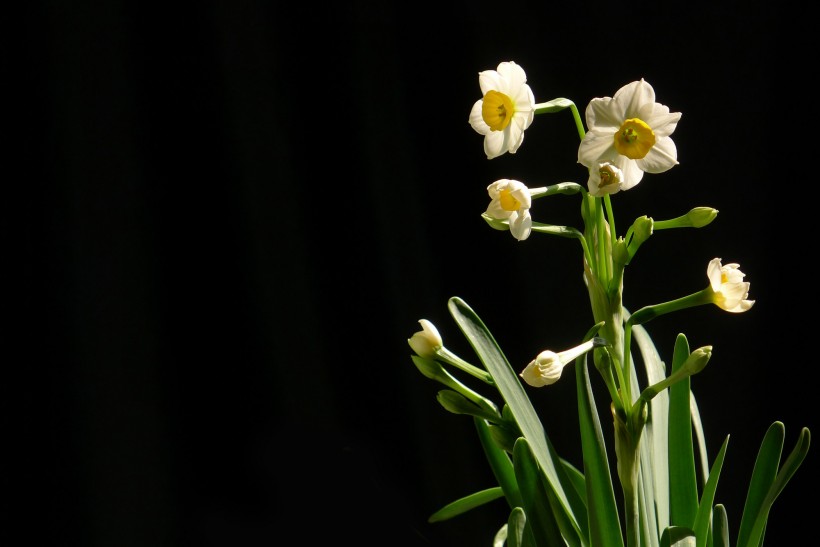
[643,315]
[451,358]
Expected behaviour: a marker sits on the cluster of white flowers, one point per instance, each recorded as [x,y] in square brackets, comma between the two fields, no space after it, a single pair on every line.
[627,135]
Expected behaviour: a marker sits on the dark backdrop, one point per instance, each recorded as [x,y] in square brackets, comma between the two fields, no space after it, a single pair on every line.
[234,215]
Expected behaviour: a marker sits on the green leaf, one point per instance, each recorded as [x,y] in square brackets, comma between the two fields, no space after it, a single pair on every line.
[763,475]
[540,519]
[466,503]
[575,477]
[678,536]
[455,402]
[697,425]
[720,527]
[604,523]
[654,458]
[683,485]
[704,514]
[777,485]
[516,527]
[514,395]
[500,464]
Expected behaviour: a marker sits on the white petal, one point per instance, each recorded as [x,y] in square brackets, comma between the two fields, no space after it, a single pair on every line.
[595,147]
[663,125]
[713,273]
[633,96]
[513,73]
[661,157]
[477,120]
[604,115]
[494,144]
[490,79]
[632,172]
[521,224]
[514,134]
[495,210]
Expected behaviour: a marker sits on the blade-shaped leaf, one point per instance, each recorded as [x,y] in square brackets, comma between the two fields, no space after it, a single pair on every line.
[763,475]
[653,479]
[704,515]
[794,460]
[678,536]
[500,463]
[720,527]
[604,522]
[516,528]
[697,425]
[466,503]
[540,519]
[683,486]
[514,395]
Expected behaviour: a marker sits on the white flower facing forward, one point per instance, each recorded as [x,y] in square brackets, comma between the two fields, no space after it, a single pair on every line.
[506,109]
[511,200]
[730,291]
[632,132]
[547,367]
[427,341]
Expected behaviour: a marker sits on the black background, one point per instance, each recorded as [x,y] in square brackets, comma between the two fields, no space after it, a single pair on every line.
[233,216]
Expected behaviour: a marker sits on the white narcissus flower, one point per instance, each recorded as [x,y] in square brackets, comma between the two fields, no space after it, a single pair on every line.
[426,341]
[730,290]
[631,131]
[604,178]
[547,367]
[506,109]
[511,200]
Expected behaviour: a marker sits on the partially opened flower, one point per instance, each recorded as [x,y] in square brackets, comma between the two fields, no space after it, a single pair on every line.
[427,341]
[730,291]
[604,178]
[511,200]
[506,109]
[547,367]
[631,131]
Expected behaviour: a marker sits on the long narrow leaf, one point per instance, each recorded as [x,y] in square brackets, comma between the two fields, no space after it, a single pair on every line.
[516,526]
[604,523]
[794,460]
[516,398]
[720,527]
[697,425]
[500,463]
[540,519]
[467,503]
[655,444]
[683,487]
[678,536]
[704,515]
[763,476]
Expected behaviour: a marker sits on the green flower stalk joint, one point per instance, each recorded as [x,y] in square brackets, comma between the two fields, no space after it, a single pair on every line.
[628,136]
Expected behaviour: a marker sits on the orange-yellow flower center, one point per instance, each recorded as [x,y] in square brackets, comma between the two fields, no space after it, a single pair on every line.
[508,201]
[497,110]
[607,176]
[634,139]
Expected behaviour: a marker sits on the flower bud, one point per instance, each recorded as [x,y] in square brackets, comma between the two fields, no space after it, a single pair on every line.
[427,341]
[697,360]
[701,216]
